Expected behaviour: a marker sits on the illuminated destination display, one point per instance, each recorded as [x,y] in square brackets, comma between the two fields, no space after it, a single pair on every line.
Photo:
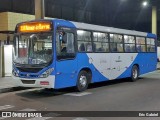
[34,27]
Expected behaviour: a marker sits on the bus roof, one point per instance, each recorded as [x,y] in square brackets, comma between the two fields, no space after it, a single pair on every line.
[92,27]
[112,30]
[99,28]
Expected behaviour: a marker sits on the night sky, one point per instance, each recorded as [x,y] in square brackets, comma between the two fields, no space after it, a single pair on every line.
[127,14]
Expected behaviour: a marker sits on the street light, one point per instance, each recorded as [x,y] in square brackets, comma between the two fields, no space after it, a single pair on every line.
[145,3]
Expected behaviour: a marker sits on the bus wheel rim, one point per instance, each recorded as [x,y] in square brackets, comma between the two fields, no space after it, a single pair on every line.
[135,73]
[83,81]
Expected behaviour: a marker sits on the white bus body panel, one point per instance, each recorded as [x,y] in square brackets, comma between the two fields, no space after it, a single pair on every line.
[50,79]
[112,65]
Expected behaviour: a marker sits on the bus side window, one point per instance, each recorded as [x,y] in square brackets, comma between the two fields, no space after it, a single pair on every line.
[100,42]
[82,47]
[140,44]
[65,45]
[129,43]
[150,45]
[84,41]
[139,49]
[89,47]
[70,43]
[116,43]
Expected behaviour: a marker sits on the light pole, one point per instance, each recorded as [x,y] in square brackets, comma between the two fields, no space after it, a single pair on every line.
[39,9]
[154,19]
[154,16]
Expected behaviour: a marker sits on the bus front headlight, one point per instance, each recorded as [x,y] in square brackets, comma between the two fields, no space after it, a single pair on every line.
[15,73]
[46,73]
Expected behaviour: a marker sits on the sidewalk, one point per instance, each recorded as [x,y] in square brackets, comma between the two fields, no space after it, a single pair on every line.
[6,84]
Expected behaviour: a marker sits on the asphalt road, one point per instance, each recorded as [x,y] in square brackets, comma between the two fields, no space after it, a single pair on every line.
[117,95]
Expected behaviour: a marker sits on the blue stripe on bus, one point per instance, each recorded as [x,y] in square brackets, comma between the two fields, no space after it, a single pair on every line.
[62,81]
[63,23]
[150,35]
[146,64]
[143,60]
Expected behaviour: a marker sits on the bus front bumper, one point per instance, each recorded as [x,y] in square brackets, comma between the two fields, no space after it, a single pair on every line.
[48,82]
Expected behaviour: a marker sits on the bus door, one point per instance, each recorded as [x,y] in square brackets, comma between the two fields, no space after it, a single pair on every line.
[66,65]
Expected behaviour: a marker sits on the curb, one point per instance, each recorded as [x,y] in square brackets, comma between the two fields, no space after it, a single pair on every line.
[3,90]
[12,89]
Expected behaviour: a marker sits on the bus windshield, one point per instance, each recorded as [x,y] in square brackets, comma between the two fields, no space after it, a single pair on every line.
[32,49]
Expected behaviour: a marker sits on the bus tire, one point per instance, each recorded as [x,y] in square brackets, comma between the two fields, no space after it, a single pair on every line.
[82,81]
[134,73]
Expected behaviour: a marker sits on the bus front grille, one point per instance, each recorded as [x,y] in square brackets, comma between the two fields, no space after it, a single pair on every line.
[28,81]
[33,70]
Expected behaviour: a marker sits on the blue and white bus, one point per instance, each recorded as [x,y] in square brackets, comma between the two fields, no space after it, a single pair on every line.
[59,54]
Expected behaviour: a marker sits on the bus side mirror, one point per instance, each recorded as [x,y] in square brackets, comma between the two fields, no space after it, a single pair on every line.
[60,37]
[63,37]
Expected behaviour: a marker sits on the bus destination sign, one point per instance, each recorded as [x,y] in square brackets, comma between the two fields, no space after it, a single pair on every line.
[34,27]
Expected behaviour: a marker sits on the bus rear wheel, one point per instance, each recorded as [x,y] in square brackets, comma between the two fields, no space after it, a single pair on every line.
[134,73]
[83,81]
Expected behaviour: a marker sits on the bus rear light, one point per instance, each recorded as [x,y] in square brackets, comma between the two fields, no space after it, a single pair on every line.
[44,82]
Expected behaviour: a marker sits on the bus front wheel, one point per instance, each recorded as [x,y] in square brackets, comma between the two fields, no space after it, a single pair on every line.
[83,81]
[134,73]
